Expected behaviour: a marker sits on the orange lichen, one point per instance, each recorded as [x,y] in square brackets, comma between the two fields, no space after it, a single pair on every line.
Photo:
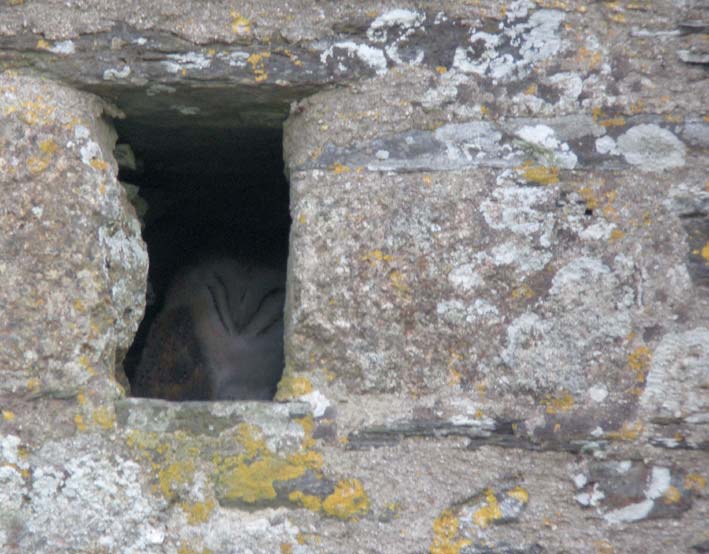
[291,386]
[347,501]
[694,482]
[240,25]
[98,164]
[337,168]
[374,256]
[173,475]
[104,417]
[671,495]
[257,62]
[490,512]
[616,234]
[556,404]
[79,422]
[445,535]
[520,494]
[628,432]
[612,122]
[308,501]
[522,291]
[704,252]
[198,512]
[639,362]
[540,174]
[398,281]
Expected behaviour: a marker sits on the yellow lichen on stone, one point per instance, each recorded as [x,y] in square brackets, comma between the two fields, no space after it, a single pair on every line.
[37,164]
[348,500]
[257,63]
[48,146]
[240,25]
[445,535]
[704,252]
[198,512]
[104,417]
[639,362]
[694,482]
[628,432]
[311,459]
[540,174]
[613,122]
[286,548]
[308,501]
[86,364]
[290,387]
[520,494]
[616,234]
[190,549]
[337,168]
[374,256]
[176,473]
[488,513]
[671,495]
[440,69]
[556,404]
[7,415]
[98,164]
[33,384]
[42,44]
[253,482]
[250,439]
[36,111]
[398,281]
[523,291]
[80,423]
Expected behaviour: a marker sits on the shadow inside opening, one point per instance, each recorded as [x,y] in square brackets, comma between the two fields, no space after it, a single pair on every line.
[216,226]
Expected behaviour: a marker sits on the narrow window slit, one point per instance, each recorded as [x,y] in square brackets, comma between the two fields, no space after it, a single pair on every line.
[214,208]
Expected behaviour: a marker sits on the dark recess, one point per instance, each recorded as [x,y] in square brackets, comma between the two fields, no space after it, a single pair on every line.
[211,190]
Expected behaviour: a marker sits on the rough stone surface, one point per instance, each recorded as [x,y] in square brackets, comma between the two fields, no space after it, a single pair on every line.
[498,278]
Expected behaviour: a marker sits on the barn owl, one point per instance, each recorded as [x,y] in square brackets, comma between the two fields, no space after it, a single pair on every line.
[219,335]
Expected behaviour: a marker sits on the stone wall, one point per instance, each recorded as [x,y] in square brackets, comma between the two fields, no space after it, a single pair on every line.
[497,337]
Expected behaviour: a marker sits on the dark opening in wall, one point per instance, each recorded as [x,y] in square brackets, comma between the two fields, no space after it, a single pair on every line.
[216,226]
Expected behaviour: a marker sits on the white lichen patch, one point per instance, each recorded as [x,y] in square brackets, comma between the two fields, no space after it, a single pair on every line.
[514,209]
[317,401]
[103,493]
[458,312]
[679,375]
[465,277]
[234,59]
[63,47]
[392,29]
[580,273]
[550,151]
[598,393]
[512,53]
[90,151]
[369,55]
[406,19]
[518,254]
[600,230]
[606,145]
[190,60]
[467,142]
[651,148]
[114,74]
